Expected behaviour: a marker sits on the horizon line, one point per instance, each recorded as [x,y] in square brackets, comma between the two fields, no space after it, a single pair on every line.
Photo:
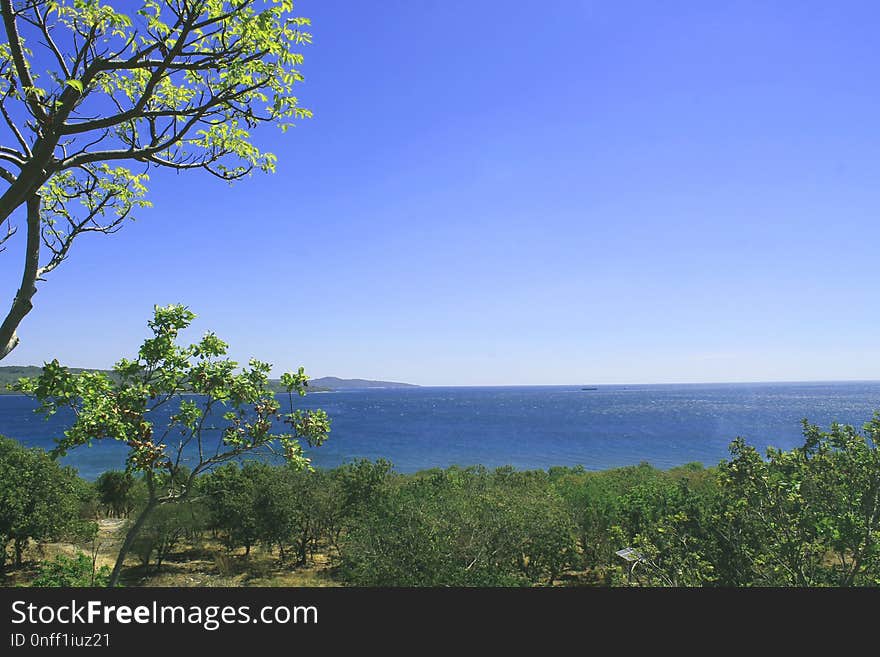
[539,385]
[630,383]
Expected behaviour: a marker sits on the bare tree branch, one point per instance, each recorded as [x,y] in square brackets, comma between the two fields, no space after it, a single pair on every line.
[21,65]
[7,175]
[12,156]
[13,128]
[10,231]
[41,23]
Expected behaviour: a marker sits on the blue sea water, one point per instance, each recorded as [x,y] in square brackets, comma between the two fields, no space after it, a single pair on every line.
[530,427]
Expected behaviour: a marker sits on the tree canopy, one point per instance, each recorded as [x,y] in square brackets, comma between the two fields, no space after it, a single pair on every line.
[221,411]
[39,500]
[94,95]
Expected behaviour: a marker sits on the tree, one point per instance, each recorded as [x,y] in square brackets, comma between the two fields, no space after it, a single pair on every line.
[460,527]
[353,487]
[230,495]
[805,517]
[166,527]
[93,97]
[676,549]
[39,500]
[117,492]
[288,510]
[537,532]
[593,501]
[809,516]
[219,412]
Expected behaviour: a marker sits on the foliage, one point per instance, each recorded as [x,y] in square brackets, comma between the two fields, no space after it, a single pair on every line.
[349,491]
[39,500]
[675,547]
[810,516]
[119,492]
[10,374]
[199,379]
[613,506]
[288,509]
[230,495]
[166,528]
[94,95]
[461,528]
[221,411]
[76,571]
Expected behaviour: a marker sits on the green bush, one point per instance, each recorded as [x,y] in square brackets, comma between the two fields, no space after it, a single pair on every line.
[230,498]
[39,500]
[76,571]
[461,528]
[290,510]
[119,492]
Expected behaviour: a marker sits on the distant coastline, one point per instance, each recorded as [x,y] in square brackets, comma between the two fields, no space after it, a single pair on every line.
[12,373]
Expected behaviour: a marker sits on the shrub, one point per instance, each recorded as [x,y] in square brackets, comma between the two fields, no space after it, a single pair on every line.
[119,492]
[461,528]
[76,571]
[39,500]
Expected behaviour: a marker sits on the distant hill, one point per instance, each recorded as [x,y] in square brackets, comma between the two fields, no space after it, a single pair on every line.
[335,383]
[12,373]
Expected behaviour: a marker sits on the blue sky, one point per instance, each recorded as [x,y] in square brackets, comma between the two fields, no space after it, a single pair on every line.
[527,193]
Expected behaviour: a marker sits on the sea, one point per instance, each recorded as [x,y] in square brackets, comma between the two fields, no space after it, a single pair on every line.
[527,427]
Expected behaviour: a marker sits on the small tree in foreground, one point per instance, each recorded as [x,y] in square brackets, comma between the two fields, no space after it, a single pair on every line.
[805,517]
[218,412]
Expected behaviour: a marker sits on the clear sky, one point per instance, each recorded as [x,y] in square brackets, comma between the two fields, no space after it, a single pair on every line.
[527,193]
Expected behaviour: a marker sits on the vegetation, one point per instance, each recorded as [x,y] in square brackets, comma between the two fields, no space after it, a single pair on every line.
[93,96]
[39,500]
[805,517]
[201,383]
[65,571]
[10,375]
[462,528]
[166,529]
[119,493]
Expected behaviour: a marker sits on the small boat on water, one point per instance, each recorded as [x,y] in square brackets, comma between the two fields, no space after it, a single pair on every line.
[589,388]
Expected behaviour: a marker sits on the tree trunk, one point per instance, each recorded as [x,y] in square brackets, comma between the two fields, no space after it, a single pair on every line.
[303,551]
[22,305]
[19,548]
[129,540]
[24,189]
